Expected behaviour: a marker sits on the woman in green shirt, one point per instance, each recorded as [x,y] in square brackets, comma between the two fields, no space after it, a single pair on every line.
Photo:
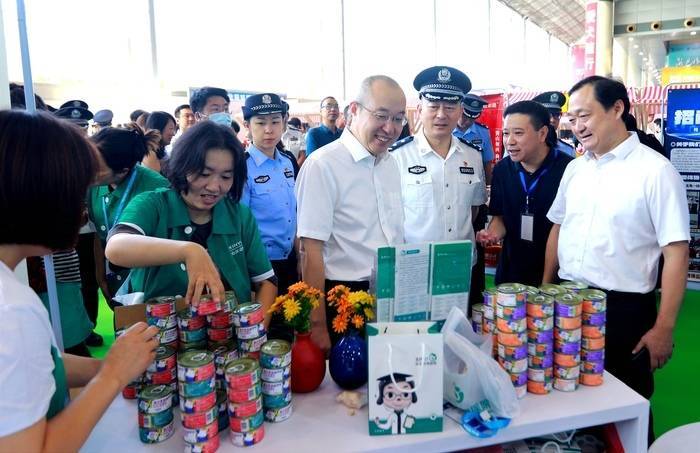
[196,235]
[121,150]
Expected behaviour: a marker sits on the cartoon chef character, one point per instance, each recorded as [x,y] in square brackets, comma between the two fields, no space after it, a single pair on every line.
[396,395]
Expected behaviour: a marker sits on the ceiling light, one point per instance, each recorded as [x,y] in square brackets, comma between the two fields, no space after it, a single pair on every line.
[645,59]
[630,38]
[636,46]
[693,33]
[641,54]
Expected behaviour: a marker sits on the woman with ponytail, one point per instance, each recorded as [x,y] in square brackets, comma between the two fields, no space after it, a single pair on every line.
[122,151]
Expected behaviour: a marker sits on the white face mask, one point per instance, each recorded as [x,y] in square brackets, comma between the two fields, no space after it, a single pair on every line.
[222,118]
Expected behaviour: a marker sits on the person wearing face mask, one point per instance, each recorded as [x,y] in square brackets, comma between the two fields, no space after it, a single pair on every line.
[121,150]
[196,237]
[211,103]
[523,188]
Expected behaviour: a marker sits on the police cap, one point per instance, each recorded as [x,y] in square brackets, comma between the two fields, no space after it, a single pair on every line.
[263,104]
[442,83]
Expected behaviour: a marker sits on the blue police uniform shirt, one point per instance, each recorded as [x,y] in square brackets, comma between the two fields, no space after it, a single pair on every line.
[320,136]
[269,193]
[478,135]
[565,148]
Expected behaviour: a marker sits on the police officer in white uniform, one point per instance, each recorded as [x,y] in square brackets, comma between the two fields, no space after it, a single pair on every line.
[442,176]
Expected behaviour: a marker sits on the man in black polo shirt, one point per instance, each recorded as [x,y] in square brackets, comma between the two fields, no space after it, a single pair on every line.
[523,188]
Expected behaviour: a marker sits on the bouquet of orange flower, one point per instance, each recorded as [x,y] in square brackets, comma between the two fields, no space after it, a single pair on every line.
[352,307]
[296,306]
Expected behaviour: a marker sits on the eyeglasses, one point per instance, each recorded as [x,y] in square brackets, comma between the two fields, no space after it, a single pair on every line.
[390,395]
[330,107]
[398,120]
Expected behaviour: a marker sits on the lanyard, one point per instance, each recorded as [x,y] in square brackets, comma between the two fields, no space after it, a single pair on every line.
[122,202]
[531,188]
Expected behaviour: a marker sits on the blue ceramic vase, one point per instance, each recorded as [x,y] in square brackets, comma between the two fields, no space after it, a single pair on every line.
[348,361]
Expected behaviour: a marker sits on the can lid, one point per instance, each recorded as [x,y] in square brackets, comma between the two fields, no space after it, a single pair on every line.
[276,347]
[164,351]
[161,300]
[245,309]
[244,365]
[569,299]
[152,392]
[551,289]
[532,290]
[510,288]
[542,299]
[490,291]
[592,294]
[205,298]
[194,359]
[220,347]
[573,284]
[230,297]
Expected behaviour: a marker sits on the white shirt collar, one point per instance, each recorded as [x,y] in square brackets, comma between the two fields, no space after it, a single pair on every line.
[357,150]
[621,151]
[425,148]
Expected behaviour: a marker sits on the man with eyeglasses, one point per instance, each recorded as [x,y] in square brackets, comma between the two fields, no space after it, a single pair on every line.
[349,198]
[442,176]
[210,103]
[554,101]
[327,131]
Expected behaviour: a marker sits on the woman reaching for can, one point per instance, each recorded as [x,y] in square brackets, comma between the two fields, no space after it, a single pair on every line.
[46,166]
[196,235]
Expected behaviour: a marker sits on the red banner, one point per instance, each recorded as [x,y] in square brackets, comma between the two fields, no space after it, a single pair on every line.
[589,39]
[492,117]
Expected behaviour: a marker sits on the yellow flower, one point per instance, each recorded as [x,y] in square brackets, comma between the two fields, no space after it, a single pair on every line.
[358,321]
[291,309]
[369,314]
[279,300]
[340,323]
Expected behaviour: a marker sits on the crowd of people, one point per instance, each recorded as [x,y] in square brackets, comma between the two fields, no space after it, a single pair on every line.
[180,206]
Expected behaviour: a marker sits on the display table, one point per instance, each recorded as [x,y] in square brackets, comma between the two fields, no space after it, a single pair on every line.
[319,423]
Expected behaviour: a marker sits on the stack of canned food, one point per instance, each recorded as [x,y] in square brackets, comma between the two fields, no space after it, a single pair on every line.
[193,323]
[567,341]
[250,330]
[155,406]
[275,360]
[198,401]
[488,309]
[511,333]
[163,370]
[593,336]
[245,402]
[540,342]
[131,391]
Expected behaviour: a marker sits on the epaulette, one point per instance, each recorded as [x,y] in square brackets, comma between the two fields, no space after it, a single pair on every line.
[468,143]
[566,143]
[481,124]
[400,143]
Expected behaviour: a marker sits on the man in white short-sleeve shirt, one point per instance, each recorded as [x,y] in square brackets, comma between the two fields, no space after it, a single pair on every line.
[349,197]
[618,209]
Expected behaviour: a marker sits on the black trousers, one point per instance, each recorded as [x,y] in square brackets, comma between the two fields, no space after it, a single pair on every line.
[330,312]
[286,273]
[478,281]
[80,349]
[86,255]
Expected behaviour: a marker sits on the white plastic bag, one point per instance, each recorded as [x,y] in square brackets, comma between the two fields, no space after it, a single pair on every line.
[470,373]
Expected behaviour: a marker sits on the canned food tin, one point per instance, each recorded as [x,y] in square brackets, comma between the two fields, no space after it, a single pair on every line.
[552,290]
[157,420]
[511,352]
[591,379]
[253,345]
[160,307]
[593,343]
[210,446]
[593,367]
[593,319]
[595,355]
[477,313]
[247,315]
[248,439]
[255,355]
[220,319]
[167,322]
[167,336]
[568,305]
[130,391]
[512,339]
[205,306]
[505,326]
[242,373]
[574,286]
[200,419]
[477,327]
[165,360]
[521,391]
[540,349]
[188,321]
[156,435]
[567,372]
[540,374]
[571,336]
[563,347]
[540,306]
[251,332]
[245,409]
[186,346]
[155,398]
[277,388]
[567,359]
[540,336]
[593,331]
[199,388]
[224,352]
[276,374]
[539,387]
[594,300]
[540,362]
[565,385]
[490,297]
[194,366]
[160,377]
[230,301]
[191,405]
[275,401]
[191,336]
[202,434]
[510,313]
[489,326]
[279,414]
[489,313]
[222,334]
[244,394]
[518,379]
[531,292]
[511,294]
[246,424]
[546,323]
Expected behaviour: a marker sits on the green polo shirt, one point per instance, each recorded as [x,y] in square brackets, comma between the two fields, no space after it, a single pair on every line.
[146,181]
[234,244]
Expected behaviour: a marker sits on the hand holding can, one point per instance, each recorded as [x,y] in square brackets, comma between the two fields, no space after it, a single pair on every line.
[131,353]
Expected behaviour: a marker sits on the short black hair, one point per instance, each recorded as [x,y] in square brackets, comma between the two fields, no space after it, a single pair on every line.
[294,121]
[46,166]
[235,126]
[133,116]
[190,151]
[199,97]
[17,98]
[124,148]
[325,99]
[159,120]
[181,107]
[606,91]
[539,118]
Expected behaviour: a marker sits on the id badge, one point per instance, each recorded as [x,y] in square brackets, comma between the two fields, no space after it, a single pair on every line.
[526,226]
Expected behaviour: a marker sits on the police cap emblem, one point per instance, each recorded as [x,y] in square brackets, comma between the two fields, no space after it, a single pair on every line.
[554,98]
[75,114]
[266,99]
[444,75]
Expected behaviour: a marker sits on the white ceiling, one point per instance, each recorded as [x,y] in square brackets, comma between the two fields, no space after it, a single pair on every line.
[564,19]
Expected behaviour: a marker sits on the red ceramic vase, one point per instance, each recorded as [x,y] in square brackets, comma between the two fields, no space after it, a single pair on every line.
[308,364]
